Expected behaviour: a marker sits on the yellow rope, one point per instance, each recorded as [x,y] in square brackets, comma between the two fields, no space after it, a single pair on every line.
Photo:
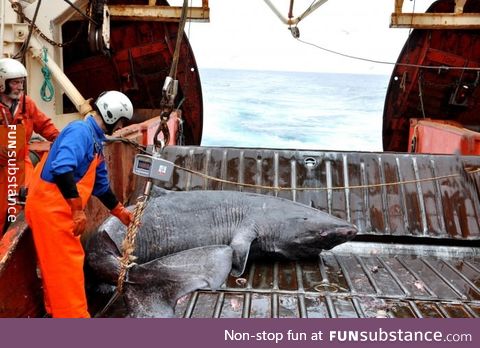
[353,187]
[128,244]
[277,188]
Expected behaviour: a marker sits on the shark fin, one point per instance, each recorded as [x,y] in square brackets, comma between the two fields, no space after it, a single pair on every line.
[241,248]
[153,288]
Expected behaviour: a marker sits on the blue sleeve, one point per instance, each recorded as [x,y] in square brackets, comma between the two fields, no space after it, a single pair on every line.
[75,147]
[101,180]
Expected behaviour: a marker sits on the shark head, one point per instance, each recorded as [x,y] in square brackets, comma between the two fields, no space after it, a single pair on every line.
[308,231]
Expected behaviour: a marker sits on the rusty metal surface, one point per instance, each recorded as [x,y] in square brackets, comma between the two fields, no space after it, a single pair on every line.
[358,280]
[425,269]
[140,59]
[440,209]
[20,287]
[347,285]
[415,264]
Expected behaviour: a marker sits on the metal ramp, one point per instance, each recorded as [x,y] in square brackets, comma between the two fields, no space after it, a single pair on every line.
[356,281]
[417,253]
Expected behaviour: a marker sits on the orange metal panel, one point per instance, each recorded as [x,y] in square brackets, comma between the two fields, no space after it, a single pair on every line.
[442,137]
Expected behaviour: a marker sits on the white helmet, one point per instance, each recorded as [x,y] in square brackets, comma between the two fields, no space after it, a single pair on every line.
[114,105]
[10,69]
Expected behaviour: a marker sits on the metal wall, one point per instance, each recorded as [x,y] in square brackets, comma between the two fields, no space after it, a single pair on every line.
[420,206]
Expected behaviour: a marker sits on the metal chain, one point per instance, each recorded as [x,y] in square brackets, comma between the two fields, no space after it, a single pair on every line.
[18,9]
[128,244]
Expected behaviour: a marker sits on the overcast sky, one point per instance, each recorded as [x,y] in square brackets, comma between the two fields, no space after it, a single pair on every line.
[246,34]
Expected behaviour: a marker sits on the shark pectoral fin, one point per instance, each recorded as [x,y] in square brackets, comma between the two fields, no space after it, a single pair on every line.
[154,287]
[241,248]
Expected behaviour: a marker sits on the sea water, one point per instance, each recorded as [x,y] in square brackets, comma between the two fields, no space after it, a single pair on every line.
[293,110]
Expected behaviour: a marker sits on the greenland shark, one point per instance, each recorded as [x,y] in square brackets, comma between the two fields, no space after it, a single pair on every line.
[194,239]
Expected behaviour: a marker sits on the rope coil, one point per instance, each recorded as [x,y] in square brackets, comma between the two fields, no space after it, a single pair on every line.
[46,91]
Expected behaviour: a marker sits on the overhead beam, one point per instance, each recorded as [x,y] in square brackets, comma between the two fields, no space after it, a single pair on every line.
[436,20]
[157,13]
[456,20]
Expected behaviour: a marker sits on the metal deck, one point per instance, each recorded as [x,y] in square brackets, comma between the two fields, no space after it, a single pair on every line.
[366,281]
[417,253]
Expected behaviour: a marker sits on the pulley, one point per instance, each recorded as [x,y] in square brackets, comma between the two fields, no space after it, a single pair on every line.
[99,28]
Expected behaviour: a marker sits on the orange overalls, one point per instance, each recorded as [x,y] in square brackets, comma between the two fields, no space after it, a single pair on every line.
[32,119]
[60,254]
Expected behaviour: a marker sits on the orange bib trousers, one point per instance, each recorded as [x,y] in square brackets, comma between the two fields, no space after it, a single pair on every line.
[60,254]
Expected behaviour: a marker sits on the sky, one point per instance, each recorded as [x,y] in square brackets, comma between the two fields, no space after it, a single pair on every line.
[246,34]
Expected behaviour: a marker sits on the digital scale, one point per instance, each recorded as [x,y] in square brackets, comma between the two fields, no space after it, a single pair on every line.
[153,167]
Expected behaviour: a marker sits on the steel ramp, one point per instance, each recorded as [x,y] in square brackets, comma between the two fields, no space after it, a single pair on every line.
[356,280]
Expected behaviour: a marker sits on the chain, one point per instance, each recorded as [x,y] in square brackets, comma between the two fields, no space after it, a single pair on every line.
[18,9]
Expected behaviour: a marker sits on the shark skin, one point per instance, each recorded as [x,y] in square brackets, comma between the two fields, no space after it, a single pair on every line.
[191,240]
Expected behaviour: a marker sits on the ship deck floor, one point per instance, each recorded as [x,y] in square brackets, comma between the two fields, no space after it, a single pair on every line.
[354,280]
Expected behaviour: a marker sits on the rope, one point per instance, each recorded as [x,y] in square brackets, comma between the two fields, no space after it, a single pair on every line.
[436,67]
[23,49]
[46,91]
[128,244]
[181,28]
[277,188]
[166,104]
[467,171]
[420,94]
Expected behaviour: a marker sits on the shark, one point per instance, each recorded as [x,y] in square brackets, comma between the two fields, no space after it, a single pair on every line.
[189,240]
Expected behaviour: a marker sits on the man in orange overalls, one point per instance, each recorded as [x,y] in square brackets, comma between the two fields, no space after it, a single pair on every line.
[59,190]
[19,112]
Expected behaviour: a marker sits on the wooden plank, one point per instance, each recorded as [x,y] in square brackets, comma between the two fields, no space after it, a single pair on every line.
[157,13]
[435,20]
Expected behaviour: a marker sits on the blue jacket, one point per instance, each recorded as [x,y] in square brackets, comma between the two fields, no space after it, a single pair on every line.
[74,150]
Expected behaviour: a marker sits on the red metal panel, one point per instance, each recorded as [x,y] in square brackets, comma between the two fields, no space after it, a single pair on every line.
[20,288]
[443,93]
[434,136]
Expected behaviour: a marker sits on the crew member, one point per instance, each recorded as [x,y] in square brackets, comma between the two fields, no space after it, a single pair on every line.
[59,190]
[18,112]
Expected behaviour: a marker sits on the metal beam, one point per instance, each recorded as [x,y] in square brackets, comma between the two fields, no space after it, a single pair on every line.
[83,106]
[292,21]
[436,20]
[459,5]
[157,13]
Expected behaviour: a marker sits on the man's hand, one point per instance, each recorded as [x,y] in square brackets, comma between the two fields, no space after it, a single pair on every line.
[123,214]
[78,215]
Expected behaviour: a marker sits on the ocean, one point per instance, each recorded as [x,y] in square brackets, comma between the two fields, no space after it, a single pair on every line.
[293,110]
